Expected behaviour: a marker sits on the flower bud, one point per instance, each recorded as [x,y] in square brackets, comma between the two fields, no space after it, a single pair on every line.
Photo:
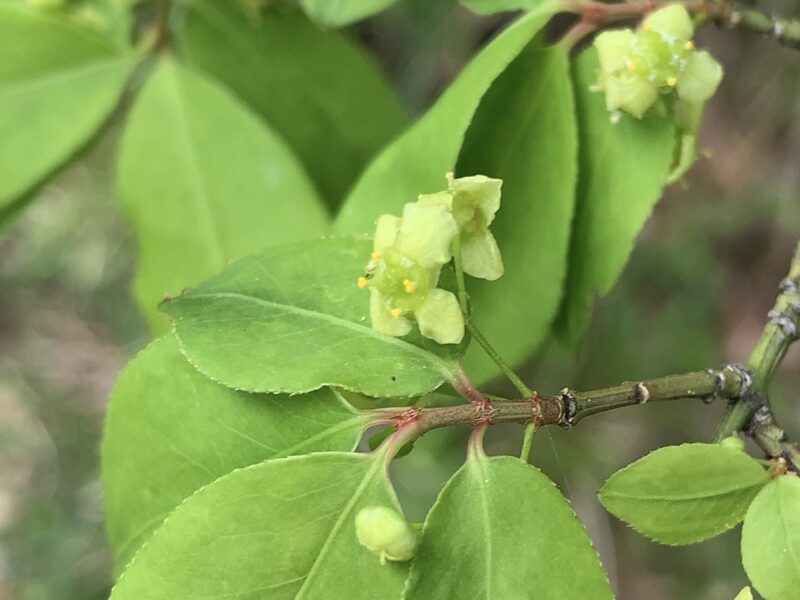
[385,533]
[734,442]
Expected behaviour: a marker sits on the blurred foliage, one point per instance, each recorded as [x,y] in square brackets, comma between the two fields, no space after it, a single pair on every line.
[693,295]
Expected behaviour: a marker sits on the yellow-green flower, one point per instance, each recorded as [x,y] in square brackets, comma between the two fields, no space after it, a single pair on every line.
[637,67]
[403,273]
[473,201]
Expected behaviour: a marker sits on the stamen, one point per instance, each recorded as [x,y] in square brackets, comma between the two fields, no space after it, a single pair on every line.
[376,255]
[689,45]
[409,286]
[672,82]
[396,313]
[362,282]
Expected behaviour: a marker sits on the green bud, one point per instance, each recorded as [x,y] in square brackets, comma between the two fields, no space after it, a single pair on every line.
[700,78]
[385,533]
[672,21]
[733,442]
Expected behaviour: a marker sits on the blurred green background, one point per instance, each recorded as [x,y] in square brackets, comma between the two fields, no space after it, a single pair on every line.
[695,294]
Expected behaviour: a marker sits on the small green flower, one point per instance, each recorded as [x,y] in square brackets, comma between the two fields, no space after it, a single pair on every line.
[403,272]
[637,67]
[474,201]
[385,533]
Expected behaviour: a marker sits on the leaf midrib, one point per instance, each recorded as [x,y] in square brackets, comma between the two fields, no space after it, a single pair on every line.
[441,365]
[337,526]
[195,178]
[25,86]
[691,498]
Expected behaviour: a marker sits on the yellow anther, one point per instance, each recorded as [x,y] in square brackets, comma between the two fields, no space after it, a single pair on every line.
[376,255]
[672,81]
[647,27]
[396,312]
[362,282]
[409,286]
[631,66]
[449,176]
[689,45]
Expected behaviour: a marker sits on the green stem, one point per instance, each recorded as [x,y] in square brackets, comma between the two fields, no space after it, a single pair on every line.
[498,360]
[527,441]
[460,283]
[569,407]
[780,331]
[472,328]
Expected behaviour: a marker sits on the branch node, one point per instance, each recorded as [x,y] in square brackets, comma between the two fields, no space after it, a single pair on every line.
[745,377]
[569,408]
[789,285]
[785,322]
[640,393]
[761,417]
[484,412]
[407,417]
[720,383]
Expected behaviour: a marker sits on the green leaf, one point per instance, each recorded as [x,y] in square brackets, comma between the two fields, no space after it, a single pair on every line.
[623,168]
[204,181]
[293,319]
[315,88]
[744,594]
[486,7]
[771,539]
[417,161]
[501,529]
[58,83]
[281,529]
[170,431]
[684,494]
[335,13]
[524,133]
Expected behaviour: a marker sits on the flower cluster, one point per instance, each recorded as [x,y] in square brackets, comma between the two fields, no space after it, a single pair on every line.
[659,58]
[409,252]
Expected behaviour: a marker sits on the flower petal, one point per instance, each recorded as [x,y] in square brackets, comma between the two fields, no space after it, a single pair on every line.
[700,78]
[480,192]
[382,319]
[614,50]
[386,230]
[426,232]
[631,93]
[444,198]
[672,20]
[481,256]
[440,317]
